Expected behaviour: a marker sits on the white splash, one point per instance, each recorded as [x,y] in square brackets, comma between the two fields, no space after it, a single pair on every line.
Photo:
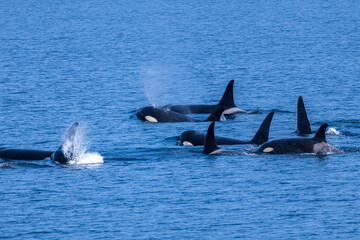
[80,153]
[88,158]
[333,131]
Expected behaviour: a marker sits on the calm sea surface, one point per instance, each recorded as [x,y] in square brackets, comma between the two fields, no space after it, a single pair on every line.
[98,62]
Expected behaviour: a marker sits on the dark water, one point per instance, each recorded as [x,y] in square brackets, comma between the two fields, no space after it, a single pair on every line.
[97,62]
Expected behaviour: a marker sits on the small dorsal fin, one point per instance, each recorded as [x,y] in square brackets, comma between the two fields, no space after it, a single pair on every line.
[216,115]
[210,145]
[70,138]
[320,135]
[262,135]
[227,100]
[303,124]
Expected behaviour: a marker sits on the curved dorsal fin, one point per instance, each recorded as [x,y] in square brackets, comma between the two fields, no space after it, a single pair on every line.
[320,135]
[70,138]
[216,115]
[227,100]
[210,145]
[303,124]
[262,135]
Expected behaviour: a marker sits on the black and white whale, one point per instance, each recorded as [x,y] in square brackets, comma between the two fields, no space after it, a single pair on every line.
[163,114]
[227,102]
[195,138]
[316,145]
[303,124]
[63,155]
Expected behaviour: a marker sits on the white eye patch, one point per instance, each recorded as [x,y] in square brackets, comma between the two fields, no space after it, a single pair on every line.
[151,119]
[186,143]
[268,149]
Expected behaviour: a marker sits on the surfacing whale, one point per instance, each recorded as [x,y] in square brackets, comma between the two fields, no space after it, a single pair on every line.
[227,102]
[316,145]
[195,138]
[163,114]
[63,155]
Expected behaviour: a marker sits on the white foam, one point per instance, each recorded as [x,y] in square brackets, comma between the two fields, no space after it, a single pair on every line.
[88,158]
[333,131]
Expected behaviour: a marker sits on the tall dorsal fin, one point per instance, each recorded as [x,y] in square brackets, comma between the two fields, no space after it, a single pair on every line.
[227,100]
[216,115]
[210,145]
[303,124]
[262,135]
[320,135]
[69,139]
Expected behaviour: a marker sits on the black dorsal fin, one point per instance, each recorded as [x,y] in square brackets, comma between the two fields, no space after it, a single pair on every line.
[303,124]
[68,143]
[216,115]
[227,100]
[210,145]
[320,135]
[262,135]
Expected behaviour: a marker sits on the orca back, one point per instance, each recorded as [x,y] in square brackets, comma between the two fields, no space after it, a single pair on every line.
[24,154]
[297,145]
[227,102]
[197,109]
[161,114]
[195,138]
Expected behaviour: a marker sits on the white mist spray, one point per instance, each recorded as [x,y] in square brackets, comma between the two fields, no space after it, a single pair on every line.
[164,83]
[155,81]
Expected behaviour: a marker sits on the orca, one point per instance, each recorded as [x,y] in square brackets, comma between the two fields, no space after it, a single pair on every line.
[195,138]
[303,124]
[163,114]
[63,155]
[227,102]
[316,145]
[210,146]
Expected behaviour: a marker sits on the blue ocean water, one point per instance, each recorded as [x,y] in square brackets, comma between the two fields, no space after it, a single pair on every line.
[98,62]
